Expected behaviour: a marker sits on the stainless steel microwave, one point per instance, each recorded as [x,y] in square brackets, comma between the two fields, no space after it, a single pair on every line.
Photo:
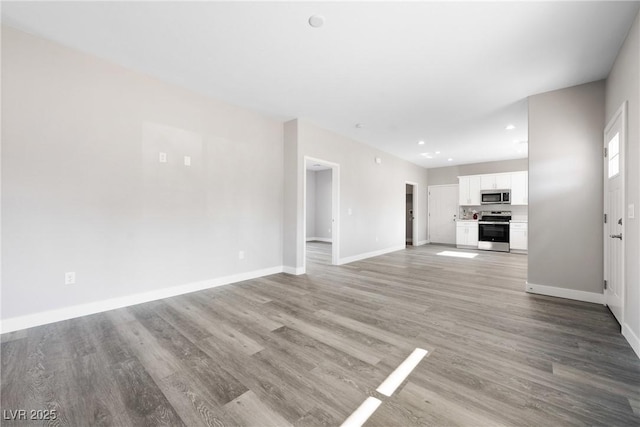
[495,197]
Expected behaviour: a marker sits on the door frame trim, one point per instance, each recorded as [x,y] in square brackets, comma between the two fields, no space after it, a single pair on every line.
[621,113]
[335,209]
[416,210]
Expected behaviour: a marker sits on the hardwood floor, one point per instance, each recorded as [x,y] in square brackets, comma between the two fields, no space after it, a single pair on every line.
[307,350]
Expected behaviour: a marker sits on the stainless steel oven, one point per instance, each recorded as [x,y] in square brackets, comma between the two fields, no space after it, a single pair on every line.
[493,231]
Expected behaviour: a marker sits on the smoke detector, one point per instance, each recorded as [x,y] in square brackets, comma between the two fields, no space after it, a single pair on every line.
[316,21]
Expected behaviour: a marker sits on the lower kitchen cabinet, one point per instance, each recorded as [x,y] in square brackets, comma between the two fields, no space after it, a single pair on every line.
[518,236]
[467,234]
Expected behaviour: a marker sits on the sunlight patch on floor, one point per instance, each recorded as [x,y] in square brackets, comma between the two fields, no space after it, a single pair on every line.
[457,254]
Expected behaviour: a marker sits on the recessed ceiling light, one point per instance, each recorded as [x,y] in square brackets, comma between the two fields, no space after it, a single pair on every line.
[316,21]
[449,159]
[420,142]
[437,152]
[510,127]
[427,155]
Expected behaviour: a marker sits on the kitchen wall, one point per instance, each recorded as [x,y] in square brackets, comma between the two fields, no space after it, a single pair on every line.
[623,85]
[450,174]
[83,189]
[518,212]
[372,195]
[565,191]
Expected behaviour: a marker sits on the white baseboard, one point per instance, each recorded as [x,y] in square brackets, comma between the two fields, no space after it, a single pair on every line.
[293,270]
[319,239]
[632,338]
[366,255]
[51,316]
[573,294]
[422,242]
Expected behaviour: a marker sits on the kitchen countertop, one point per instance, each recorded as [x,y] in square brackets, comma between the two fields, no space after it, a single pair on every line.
[519,220]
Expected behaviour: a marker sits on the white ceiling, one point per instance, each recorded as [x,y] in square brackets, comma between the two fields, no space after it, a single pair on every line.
[452,74]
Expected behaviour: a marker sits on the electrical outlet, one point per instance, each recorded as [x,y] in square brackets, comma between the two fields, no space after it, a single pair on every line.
[162,157]
[187,161]
[241,255]
[70,278]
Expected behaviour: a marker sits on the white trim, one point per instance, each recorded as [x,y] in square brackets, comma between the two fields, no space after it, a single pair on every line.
[573,294]
[366,255]
[319,239]
[296,271]
[422,242]
[51,316]
[632,338]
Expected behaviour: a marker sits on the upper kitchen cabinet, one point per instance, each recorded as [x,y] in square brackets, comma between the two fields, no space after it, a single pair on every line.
[499,181]
[520,188]
[469,187]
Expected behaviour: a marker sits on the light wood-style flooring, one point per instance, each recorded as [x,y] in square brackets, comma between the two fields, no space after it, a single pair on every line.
[307,351]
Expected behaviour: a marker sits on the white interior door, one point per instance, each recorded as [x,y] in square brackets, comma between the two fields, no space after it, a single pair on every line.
[614,144]
[443,210]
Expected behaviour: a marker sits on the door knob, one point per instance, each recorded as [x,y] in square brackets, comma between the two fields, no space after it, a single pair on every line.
[616,236]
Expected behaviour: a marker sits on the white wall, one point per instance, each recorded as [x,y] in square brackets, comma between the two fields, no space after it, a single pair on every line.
[311,204]
[623,85]
[450,174]
[375,193]
[565,188]
[83,191]
[318,197]
[323,204]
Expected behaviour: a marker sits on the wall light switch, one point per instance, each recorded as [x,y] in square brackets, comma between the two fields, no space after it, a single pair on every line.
[631,211]
[349,211]
[241,255]
[162,157]
[187,161]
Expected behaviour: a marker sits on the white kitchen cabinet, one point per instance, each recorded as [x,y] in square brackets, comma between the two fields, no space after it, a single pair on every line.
[520,188]
[467,233]
[518,236]
[469,190]
[498,181]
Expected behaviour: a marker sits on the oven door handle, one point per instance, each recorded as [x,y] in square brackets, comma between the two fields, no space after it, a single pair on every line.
[493,222]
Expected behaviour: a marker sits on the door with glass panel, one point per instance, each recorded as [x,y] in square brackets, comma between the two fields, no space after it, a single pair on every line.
[614,219]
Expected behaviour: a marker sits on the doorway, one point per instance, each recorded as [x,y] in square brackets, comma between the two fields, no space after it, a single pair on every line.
[321,184]
[614,202]
[443,211]
[411,207]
